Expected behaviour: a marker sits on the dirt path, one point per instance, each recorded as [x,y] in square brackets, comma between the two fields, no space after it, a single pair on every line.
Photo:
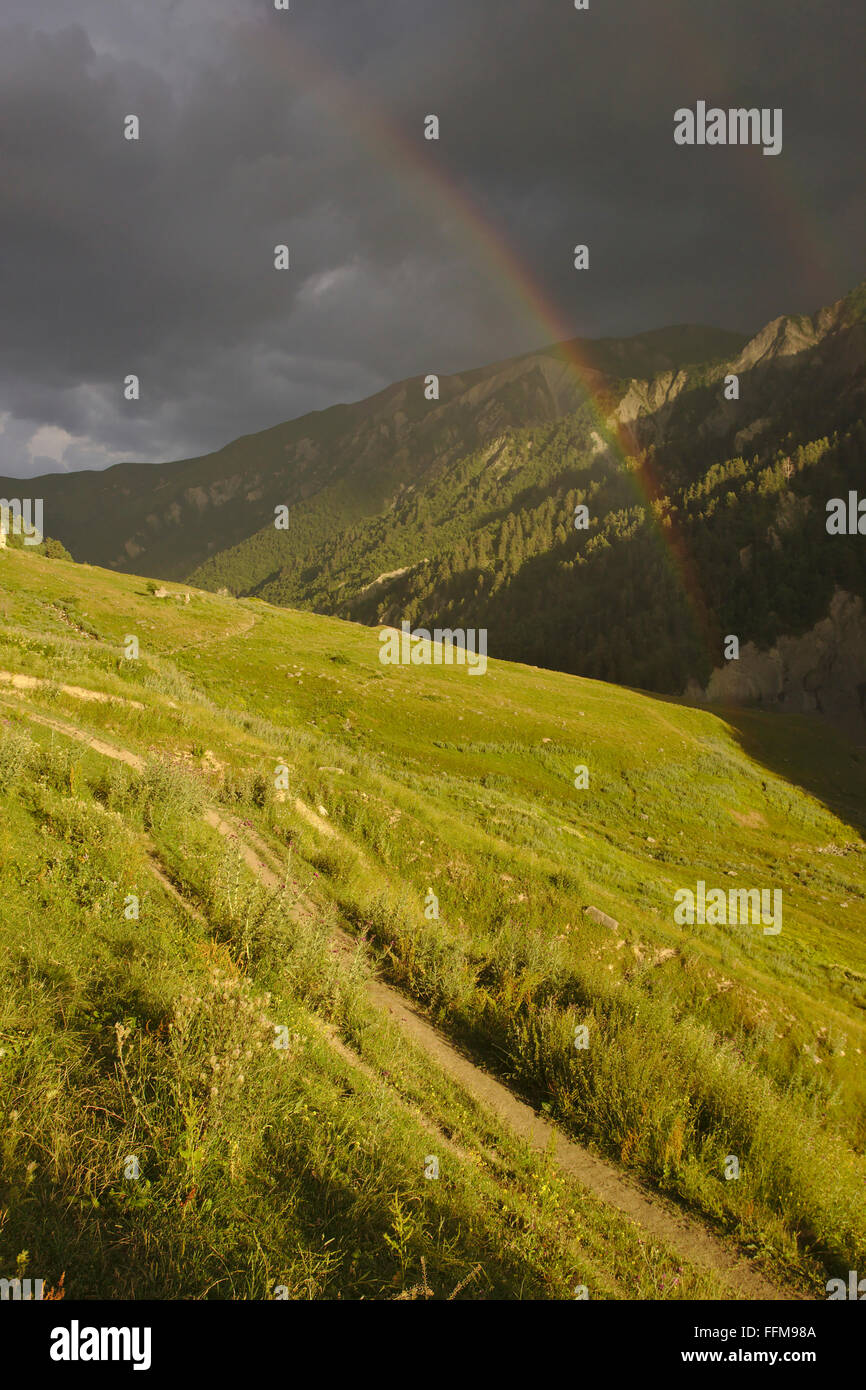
[683,1234]
[108,750]
[78,692]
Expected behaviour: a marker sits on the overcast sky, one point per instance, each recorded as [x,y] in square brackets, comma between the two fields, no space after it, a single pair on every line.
[261,127]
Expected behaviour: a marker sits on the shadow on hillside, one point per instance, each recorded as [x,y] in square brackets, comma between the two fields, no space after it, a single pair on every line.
[153,1248]
[807,751]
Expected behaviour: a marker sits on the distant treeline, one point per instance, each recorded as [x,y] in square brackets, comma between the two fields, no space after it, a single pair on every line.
[672,559]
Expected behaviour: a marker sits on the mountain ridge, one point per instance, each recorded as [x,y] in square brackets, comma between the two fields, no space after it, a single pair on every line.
[666,465]
[137,497]
[463,509]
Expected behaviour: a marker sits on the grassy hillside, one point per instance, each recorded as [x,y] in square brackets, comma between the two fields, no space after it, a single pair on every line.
[123,1038]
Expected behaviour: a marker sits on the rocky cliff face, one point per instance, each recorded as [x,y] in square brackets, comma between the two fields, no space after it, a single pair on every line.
[823,354]
[821,672]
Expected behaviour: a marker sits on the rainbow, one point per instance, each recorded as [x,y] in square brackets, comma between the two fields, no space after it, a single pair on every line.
[356,115]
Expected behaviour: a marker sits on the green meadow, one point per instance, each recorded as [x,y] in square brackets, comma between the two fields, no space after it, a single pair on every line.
[433,815]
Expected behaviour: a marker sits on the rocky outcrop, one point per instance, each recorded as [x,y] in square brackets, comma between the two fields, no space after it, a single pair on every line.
[830,345]
[821,672]
[650,397]
[785,337]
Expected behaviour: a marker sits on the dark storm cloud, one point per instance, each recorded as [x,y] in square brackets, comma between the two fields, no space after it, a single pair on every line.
[306,128]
